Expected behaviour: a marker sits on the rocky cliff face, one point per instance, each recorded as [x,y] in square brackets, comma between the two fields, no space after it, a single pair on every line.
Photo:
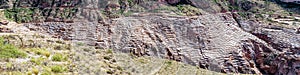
[214,42]
[228,42]
[284,41]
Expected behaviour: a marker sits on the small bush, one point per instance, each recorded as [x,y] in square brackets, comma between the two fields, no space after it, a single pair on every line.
[189,10]
[57,69]
[47,54]
[19,14]
[37,61]
[58,57]
[10,51]
[35,71]
[29,73]
[41,51]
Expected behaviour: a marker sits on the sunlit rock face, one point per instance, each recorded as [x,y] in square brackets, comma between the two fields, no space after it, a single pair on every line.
[214,41]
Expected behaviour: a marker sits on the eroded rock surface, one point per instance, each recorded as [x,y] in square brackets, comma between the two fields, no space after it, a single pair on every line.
[214,42]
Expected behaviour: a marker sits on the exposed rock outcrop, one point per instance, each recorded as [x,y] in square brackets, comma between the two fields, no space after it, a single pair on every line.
[285,41]
[221,42]
[214,42]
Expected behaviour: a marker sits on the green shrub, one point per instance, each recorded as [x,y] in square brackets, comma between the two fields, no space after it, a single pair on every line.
[41,51]
[58,57]
[19,14]
[47,70]
[37,61]
[35,71]
[189,10]
[57,69]
[29,73]
[10,51]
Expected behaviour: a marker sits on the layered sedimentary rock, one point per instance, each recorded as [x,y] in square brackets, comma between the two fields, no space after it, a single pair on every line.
[284,40]
[216,42]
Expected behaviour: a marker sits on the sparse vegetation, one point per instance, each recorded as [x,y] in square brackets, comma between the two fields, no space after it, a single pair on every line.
[9,65]
[10,51]
[57,69]
[85,58]
[142,60]
[35,71]
[11,73]
[166,9]
[37,61]
[41,51]
[19,14]
[58,57]
[46,70]
[189,10]
[46,73]
[29,73]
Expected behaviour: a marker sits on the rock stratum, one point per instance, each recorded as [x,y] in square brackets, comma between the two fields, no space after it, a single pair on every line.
[243,37]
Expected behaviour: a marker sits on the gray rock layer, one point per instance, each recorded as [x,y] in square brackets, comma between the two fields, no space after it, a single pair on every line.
[216,42]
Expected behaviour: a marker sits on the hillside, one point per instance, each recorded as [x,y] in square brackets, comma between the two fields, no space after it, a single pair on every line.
[149,37]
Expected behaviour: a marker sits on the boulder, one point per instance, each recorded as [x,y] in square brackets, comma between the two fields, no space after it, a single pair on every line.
[4,22]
